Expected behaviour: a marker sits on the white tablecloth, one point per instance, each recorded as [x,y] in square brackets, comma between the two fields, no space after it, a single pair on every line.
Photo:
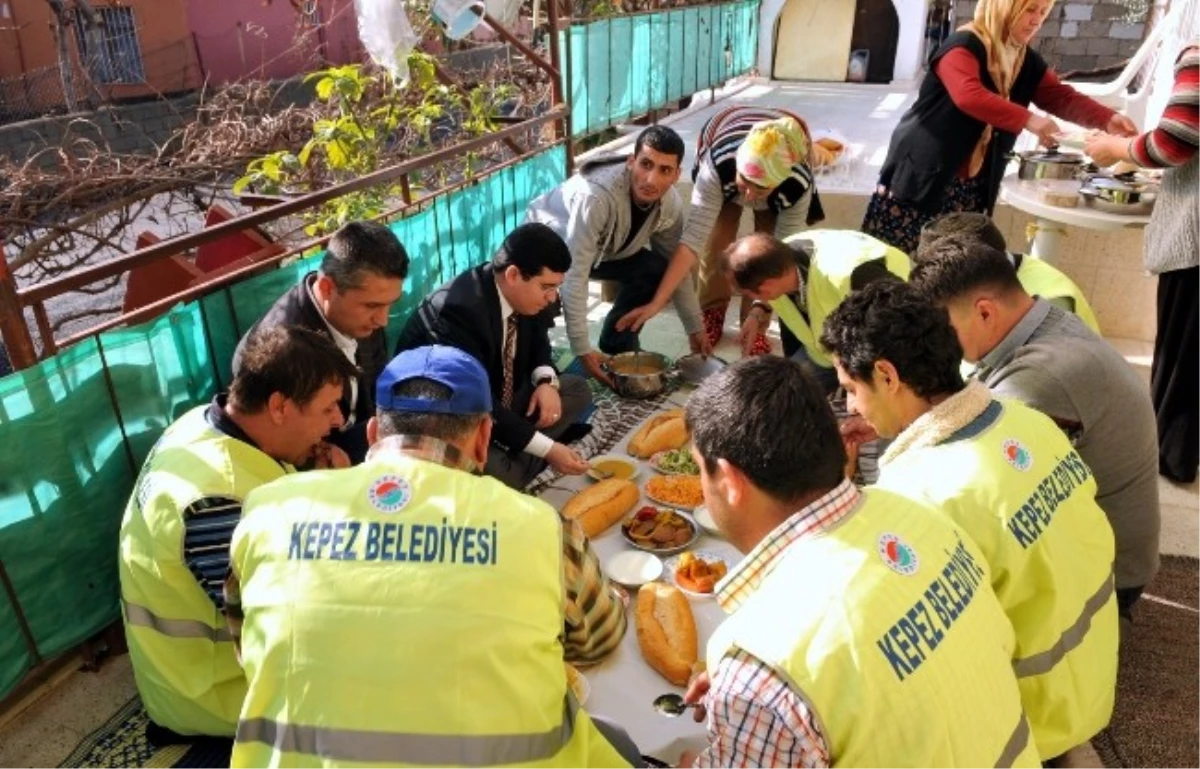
[624,686]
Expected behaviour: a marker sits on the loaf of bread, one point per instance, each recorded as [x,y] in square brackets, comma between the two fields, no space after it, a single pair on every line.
[602,505]
[666,631]
[661,432]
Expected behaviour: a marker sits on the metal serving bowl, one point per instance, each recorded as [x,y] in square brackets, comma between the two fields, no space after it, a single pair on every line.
[639,374]
[1117,196]
[1048,164]
[695,368]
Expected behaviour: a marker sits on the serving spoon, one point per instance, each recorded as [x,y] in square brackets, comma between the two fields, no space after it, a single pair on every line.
[672,705]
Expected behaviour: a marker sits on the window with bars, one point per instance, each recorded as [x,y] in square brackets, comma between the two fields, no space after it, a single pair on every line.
[110,50]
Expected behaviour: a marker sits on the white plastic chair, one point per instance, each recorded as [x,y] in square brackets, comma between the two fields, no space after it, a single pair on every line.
[1115,93]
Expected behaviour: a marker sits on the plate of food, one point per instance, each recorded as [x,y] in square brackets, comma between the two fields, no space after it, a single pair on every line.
[612,466]
[697,572]
[679,491]
[659,531]
[675,462]
[1074,140]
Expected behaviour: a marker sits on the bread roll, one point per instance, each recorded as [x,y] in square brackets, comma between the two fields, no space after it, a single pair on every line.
[666,631]
[602,505]
[660,432]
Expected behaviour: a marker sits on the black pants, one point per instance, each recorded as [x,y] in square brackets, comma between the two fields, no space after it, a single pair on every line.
[639,276]
[1126,598]
[1174,380]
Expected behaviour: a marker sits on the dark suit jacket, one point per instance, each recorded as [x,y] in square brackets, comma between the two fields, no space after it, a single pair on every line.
[465,313]
[296,308]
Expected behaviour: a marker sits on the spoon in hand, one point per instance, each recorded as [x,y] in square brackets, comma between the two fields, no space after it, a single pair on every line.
[672,705]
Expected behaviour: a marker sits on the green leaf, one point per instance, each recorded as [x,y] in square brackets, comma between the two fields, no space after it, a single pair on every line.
[306,152]
[336,154]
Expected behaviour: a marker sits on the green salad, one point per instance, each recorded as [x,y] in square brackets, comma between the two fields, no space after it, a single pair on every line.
[678,461]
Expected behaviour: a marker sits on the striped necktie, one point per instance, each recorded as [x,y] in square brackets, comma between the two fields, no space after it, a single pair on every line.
[509,352]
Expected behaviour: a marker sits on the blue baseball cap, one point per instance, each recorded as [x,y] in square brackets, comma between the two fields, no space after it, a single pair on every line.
[470,392]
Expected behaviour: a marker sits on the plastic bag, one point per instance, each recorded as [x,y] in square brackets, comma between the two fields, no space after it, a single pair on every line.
[386,34]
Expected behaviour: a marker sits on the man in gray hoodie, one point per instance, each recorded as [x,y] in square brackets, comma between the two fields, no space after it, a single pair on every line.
[622,219]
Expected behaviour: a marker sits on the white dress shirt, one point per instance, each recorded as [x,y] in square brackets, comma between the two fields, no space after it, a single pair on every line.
[540,444]
[349,347]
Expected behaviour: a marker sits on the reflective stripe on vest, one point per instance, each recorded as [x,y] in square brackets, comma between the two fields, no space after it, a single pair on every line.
[1044,662]
[899,646]
[333,573]
[1016,744]
[394,748]
[1015,483]
[136,614]
[185,665]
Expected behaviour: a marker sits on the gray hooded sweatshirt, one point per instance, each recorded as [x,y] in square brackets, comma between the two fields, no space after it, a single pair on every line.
[591,212]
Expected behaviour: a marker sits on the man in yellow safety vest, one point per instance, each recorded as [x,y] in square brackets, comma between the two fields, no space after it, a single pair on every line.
[863,629]
[409,611]
[174,539]
[1037,277]
[804,279]
[1012,480]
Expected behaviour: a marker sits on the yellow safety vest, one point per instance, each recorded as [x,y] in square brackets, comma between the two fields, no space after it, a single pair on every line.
[183,657]
[837,253]
[887,627]
[1024,495]
[402,613]
[1041,279]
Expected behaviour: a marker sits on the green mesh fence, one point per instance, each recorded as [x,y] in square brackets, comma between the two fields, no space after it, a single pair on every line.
[628,65]
[75,428]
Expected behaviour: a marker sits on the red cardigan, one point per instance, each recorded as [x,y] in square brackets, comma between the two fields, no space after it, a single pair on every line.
[959,72]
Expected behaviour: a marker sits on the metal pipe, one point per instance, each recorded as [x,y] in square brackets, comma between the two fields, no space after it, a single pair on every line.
[195,292]
[562,129]
[512,40]
[88,275]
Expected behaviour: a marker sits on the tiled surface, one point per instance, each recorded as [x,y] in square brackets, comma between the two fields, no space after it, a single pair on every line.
[53,726]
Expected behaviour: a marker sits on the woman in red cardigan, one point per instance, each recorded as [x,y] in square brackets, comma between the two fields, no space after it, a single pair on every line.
[948,153]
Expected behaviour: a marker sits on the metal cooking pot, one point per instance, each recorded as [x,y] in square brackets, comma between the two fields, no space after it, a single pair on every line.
[1048,164]
[639,374]
[1116,196]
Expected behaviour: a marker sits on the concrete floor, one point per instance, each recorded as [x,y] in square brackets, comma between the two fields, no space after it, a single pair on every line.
[1106,266]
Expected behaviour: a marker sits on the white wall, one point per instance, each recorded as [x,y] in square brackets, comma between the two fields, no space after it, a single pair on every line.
[908,48]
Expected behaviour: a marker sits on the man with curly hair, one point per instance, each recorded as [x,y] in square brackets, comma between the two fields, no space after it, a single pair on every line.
[1007,475]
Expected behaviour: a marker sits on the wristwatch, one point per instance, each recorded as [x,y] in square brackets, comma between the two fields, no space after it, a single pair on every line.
[550,380]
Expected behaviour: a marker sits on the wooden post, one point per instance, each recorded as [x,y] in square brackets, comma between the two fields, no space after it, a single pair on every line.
[14,331]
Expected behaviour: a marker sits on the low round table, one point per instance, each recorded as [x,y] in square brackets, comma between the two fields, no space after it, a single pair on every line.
[1022,194]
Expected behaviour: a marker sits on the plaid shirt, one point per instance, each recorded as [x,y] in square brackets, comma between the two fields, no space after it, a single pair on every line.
[755,717]
[594,615]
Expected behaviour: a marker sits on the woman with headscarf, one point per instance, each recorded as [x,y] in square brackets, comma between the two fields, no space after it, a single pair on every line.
[948,153]
[1172,252]
[746,157]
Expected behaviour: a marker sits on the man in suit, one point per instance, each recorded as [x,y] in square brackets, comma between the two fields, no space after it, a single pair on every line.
[501,314]
[348,300]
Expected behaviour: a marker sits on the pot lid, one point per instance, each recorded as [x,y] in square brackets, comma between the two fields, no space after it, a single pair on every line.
[1052,156]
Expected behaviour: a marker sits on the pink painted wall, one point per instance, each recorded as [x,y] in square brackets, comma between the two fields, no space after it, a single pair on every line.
[270,38]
